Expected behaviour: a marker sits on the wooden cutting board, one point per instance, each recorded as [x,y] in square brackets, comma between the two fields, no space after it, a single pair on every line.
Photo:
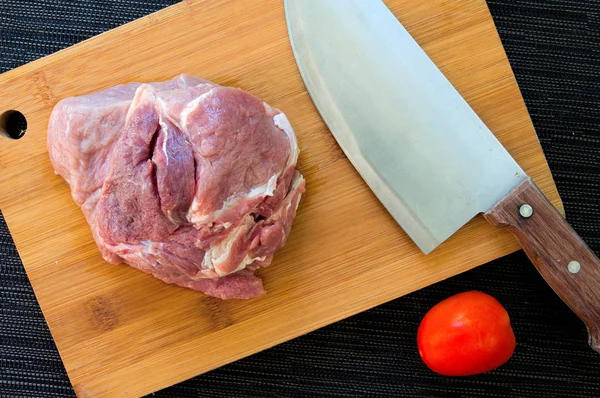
[123,333]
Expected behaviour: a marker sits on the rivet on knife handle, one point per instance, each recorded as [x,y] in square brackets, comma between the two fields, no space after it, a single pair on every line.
[566,263]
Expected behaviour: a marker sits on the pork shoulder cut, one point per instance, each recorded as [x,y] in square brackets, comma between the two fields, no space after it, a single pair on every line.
[189,181]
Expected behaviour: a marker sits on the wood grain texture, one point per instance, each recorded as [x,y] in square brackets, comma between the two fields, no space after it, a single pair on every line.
[123,333]
[551,244]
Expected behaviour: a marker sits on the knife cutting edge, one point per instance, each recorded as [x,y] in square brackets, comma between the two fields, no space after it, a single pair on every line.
[420,147]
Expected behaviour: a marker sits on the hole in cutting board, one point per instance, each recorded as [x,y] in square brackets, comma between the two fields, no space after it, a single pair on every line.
[13,124]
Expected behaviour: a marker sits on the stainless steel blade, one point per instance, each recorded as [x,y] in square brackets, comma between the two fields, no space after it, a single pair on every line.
[419,146]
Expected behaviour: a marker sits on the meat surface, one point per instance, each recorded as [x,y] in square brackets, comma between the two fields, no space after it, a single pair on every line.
[189,181]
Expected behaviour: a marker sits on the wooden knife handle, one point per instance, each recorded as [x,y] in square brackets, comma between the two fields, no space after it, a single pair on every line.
[563,259]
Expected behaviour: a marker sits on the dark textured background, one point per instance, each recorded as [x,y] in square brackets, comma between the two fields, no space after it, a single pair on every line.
[554,48]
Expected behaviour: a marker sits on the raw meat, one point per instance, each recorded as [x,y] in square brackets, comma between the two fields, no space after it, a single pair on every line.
[189,181]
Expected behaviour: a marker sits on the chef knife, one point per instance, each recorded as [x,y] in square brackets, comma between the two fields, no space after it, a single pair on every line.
[420,147]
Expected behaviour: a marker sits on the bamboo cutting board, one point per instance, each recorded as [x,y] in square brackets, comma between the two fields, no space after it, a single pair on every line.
[123,333]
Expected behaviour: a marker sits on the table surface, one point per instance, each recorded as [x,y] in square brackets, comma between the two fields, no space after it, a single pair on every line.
[554,49]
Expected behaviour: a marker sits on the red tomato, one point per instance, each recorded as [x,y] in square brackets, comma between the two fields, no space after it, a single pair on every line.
[466,334]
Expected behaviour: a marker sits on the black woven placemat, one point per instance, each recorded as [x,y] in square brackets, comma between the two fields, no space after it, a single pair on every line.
[554,48]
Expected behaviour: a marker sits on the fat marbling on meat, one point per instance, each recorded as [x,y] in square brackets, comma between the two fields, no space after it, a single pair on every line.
[189,181]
